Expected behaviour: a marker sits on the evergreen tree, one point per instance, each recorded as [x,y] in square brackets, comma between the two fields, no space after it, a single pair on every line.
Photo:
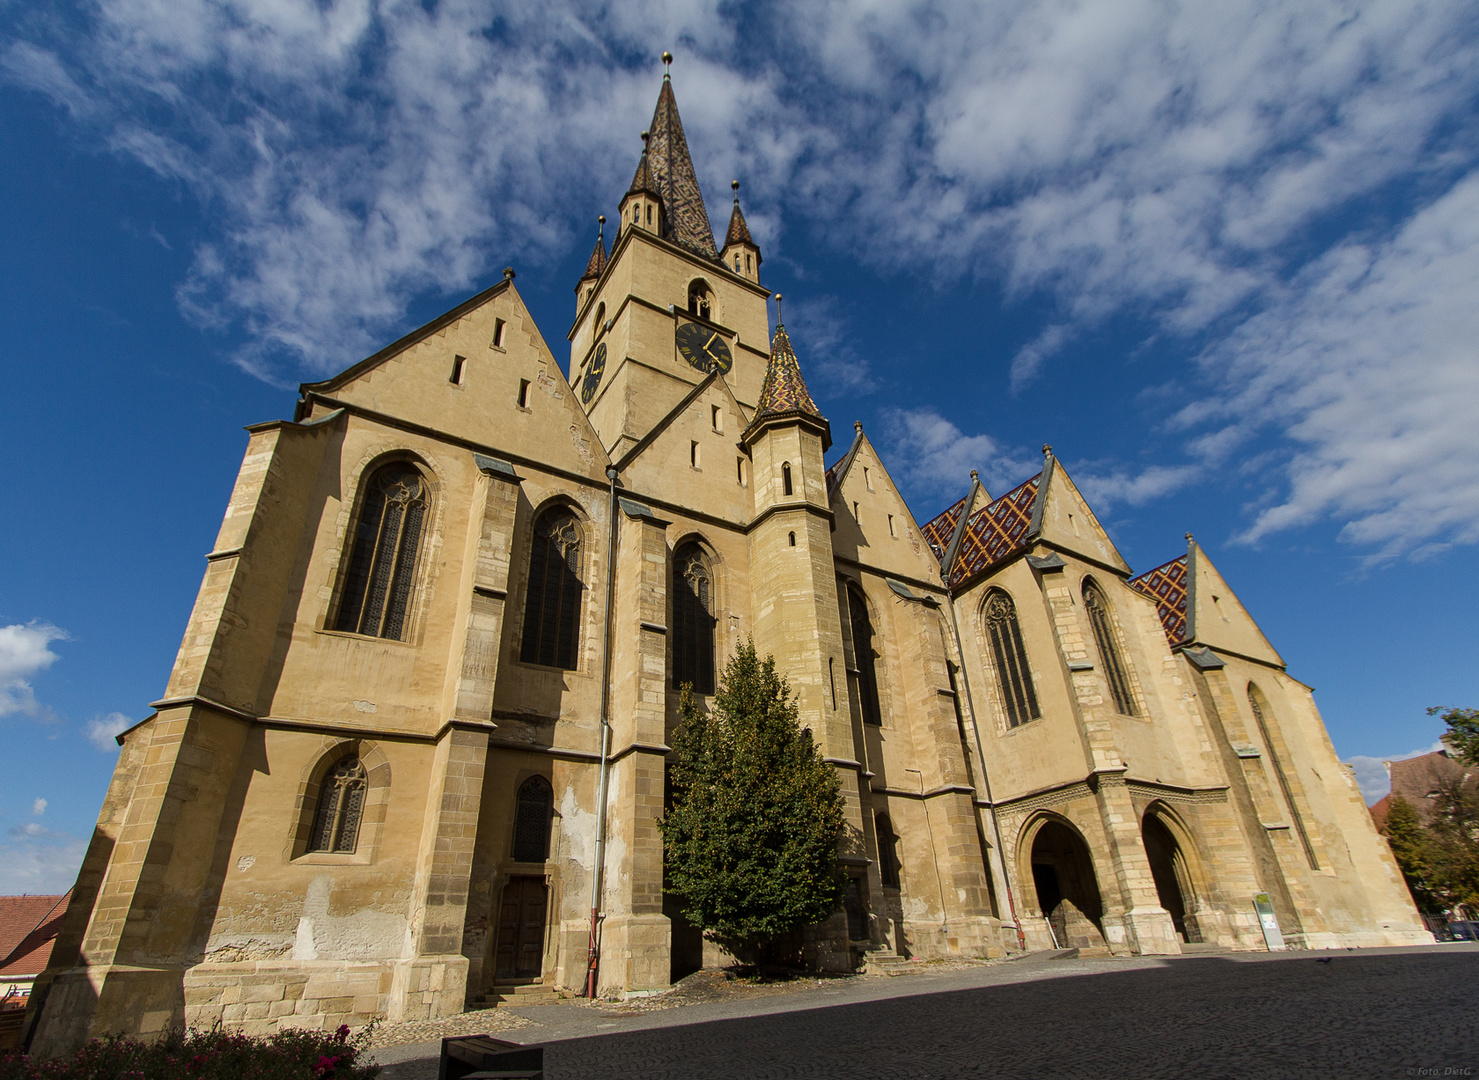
[751,833]
[1413,848]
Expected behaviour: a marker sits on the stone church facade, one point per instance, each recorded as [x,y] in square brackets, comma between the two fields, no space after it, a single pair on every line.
[452,601]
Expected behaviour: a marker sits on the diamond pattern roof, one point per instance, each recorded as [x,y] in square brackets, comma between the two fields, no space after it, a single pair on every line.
[995,531]
[938,530]
[1166,585]
[739,232]
[597,261]
[784,391]
[673,178]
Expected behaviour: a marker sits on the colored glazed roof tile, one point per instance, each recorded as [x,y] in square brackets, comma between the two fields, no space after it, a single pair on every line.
[739,232]
[671,170]
[939,529]
[996,531]
[1166,585]
[784,391]
[597,261]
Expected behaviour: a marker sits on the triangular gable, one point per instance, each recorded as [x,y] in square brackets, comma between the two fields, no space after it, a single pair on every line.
[996,532]
[1065,520]
[499,357]
[660,463]
[1217,617]
[865,484]
[1167,586]
[839,467]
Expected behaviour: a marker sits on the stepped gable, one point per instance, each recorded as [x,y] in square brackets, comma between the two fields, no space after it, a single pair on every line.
[1167,586]
[671,173]
[597,261]
[997,530]
[939,529]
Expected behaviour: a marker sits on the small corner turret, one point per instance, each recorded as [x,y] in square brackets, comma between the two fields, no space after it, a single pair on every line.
[740,251]
[642,207]
[586,286]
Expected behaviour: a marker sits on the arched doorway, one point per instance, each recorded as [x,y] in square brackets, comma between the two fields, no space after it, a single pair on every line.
[1067,891]
[1173,881]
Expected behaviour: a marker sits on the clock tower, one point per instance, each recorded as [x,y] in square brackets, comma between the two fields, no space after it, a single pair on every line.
[664,308]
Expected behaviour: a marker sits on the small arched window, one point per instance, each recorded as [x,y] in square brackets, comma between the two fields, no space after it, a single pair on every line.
[381,579]
[888,852]
[862,646]
[600,323]
[699,299]
[341,801]
[693,620]
[1009,656]
[531,820]
[552,605]
[1115,672]
[786,477]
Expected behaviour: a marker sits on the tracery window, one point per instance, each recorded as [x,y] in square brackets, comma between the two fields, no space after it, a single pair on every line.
[1009,655]
[888,852]
[552,604]
[531,820]
[1115,672]
[341,801]
[381,579]
[693,620]
[862,645]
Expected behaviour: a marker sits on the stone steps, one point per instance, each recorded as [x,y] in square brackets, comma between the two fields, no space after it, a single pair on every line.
[505,995]
[884,963]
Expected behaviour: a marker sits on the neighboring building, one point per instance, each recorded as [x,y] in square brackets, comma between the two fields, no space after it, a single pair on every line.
[371,787]
[1420,780]
[28,926]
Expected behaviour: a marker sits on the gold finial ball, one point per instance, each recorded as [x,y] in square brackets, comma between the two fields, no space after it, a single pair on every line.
[645,136]
[734,185]
[601,220]
[778,298]
[667,57]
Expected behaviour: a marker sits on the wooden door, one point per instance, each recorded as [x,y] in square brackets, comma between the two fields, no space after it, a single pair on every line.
[521,928]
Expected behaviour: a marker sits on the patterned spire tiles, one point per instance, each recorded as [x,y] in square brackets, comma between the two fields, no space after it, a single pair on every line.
[938,530]
[784,391]
[739,232]
[995,531]
[642,179]
[597,261]
[1166,585]
[672,172]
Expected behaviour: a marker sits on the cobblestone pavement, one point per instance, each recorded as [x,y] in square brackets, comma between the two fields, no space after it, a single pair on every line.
[1375,1013]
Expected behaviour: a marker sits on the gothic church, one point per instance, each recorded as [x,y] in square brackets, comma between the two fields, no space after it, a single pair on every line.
[415,735]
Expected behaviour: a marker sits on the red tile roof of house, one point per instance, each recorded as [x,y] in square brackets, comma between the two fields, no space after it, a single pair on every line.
[28,926]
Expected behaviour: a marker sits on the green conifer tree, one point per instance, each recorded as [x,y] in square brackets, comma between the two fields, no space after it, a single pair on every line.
[1414,850]
[751,832]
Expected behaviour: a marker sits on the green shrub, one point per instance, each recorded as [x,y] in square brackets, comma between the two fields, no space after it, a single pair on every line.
[206,1055]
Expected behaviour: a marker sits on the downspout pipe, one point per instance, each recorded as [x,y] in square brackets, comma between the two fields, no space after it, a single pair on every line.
[598,878]
[985,776]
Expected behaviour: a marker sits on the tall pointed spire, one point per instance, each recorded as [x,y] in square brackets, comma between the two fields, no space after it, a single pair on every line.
[643,180]
[784,395]
[739,232]
[671,170]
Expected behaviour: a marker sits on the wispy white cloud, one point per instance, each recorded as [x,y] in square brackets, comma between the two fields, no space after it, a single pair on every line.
[38,806]
[828,355]
[933,455]
[1192,166]
[1123,485]
[102,731]
[25,650]
[35,859]
[1371,772]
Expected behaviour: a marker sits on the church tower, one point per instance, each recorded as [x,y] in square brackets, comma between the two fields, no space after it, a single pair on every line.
[665,309]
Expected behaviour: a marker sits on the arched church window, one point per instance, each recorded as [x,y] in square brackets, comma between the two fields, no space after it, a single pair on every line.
[1110,656]
[699,299]
[341,801]
[1009,656]
[888,852]
[693,620]
[862,645]
[552,605]
[786,477]
[531,820]
[600,323]
[381,579]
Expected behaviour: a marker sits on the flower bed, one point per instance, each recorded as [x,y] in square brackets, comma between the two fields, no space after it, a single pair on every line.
[206,1055]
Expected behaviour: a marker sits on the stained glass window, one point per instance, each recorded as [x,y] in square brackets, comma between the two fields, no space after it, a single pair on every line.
[1009,655]
[531,820]
[862,644]
[693,620]
[552,606]
[341,800]
[381,579]
[1115,671]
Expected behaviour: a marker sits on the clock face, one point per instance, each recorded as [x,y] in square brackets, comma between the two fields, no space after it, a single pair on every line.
[592,381]
[704,349]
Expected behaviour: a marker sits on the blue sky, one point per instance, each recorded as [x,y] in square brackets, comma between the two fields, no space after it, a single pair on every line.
[1223,257]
